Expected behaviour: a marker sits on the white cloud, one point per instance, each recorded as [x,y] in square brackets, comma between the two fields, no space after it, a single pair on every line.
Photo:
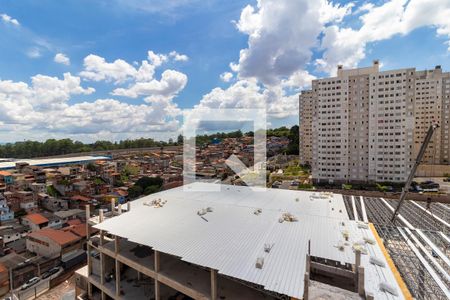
[171,83]
[247,93]
[156,59]
[51,92]
[347,46]
[298,80]
[281,36]
[9,20]
[141,80]
[42,107]
[97,69]
[61,58]
[226,76]
[178,57]
[330,12]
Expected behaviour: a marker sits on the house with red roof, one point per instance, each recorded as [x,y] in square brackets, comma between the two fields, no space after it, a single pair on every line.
[35,221]
[52,243]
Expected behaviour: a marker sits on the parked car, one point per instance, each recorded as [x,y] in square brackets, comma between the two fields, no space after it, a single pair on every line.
[30,283]
[447,179]
[50,272]
[429,186]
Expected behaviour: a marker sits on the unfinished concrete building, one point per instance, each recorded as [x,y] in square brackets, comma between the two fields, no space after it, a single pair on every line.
[239,243]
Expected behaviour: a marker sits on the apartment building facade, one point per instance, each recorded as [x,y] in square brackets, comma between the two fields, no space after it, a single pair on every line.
[364,125]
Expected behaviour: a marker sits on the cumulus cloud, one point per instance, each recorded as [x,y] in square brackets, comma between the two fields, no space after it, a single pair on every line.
[97,69]
[282,35]
[61,58]
[247,93]
[178,57]
[140,78]
[171,83]
[45,93]
[226,76]
[9,20]
[156,59]
[43,105]
[347,46]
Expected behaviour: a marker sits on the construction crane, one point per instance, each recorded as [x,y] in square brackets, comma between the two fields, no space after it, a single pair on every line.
[424,146]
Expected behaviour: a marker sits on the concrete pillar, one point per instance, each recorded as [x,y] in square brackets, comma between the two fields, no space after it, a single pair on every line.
[157,269]
[100,215]
[306,286]
[357,264]
[88,215]
[128,206]
[357,259]
[102,268]
[89,259]
[157,262]
[116,244]
[113,205]
[308,263]
[117,278]
[361,289]
[103,295]
[119,209]
[213,284]
[157,290]
[139,276]
[89,291]
[102,233]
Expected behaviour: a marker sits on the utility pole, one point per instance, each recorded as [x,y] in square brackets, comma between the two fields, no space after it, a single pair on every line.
[423,148]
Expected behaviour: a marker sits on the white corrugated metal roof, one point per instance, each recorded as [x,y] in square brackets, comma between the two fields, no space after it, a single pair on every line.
[233,236]
[51,161]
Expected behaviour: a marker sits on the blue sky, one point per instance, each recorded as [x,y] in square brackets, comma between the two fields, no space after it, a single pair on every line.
[228,54]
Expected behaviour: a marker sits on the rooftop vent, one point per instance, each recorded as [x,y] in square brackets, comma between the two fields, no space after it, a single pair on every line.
[157,203]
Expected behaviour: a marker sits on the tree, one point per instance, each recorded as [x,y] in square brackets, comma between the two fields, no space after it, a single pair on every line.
[180,139]
[91,167]
[293,146]
[146,181]
[151,189]
[135,191]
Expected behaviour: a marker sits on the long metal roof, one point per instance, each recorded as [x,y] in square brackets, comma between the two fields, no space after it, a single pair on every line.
[231,237]
[51,162]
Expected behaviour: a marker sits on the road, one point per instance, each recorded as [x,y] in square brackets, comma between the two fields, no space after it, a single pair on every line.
[444,186]
[63,291]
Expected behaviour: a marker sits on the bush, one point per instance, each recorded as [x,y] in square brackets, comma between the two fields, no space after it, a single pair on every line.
[145,182]
[305,186]
[135,191]
[346,186]
[151,190]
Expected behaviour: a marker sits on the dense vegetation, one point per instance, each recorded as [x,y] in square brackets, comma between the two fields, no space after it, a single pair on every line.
[145,186]
[29,149]
[51,147]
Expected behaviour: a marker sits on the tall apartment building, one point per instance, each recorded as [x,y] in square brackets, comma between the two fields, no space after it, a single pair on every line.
[367,126]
